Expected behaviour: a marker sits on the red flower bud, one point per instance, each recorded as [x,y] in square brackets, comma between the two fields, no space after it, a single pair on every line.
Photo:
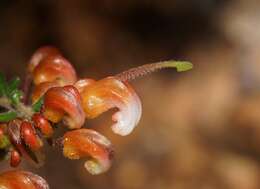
[86,142]
[42,123]
[29,136]
[22,180]
[15,158]
[110,93]
[54,68]
[15,136]
[64,102]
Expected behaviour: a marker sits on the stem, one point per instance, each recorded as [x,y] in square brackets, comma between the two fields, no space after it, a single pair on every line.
[24,111]
[26,88]
[143,70]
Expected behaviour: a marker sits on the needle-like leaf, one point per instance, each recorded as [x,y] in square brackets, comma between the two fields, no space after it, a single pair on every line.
[37,105]
[7,116]
[14,84]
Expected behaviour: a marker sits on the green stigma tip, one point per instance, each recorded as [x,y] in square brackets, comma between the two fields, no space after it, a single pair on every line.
[181,66]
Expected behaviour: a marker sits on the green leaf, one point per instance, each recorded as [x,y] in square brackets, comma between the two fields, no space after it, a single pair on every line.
[16,96]
[37,105]
[7,116]
[14,84]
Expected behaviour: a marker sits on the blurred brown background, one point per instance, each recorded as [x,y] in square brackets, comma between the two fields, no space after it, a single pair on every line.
[199,129]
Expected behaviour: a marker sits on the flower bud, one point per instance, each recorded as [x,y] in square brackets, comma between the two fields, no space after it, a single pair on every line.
[64,103]
[54,68]
[42,123]
[29,136]
[15,136]
[15,158]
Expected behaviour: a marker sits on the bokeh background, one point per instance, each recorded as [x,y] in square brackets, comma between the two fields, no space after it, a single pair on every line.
[199,129]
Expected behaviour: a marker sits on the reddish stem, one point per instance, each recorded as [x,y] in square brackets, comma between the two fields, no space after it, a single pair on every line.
[26,88]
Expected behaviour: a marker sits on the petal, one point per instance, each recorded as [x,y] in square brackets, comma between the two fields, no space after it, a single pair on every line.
[59,101]
[54,68]
[109,93]
[22,180]
[40,54]
[83,83]
[89,143]
[41,89]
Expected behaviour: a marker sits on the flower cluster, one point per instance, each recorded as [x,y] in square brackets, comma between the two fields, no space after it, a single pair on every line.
[54,96]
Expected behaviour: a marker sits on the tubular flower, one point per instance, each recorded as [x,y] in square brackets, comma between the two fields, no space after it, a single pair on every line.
[22,180]
[64,103]
[109,93]
[40,54]
[41,89]
[88,143]
[54,68]
[49,69]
